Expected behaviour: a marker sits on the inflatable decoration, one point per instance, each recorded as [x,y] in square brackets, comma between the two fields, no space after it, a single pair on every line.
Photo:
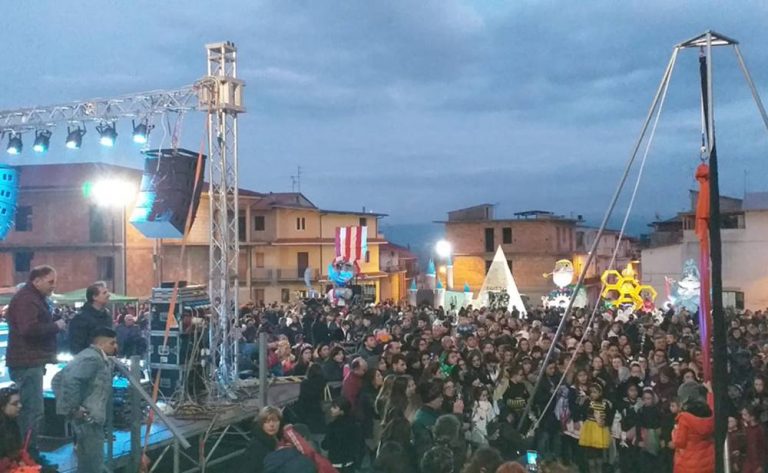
[562,276]
[685,293]
[624,288]
[351,246]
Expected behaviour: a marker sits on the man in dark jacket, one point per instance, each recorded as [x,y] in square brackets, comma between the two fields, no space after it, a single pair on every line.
[31,345]
[92,316]
[129,338]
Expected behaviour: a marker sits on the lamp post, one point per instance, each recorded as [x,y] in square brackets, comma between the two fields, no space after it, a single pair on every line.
[116,193]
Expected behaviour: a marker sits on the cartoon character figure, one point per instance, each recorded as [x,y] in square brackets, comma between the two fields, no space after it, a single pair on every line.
[686,293]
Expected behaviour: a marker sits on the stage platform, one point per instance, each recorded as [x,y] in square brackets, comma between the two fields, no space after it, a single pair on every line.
[226,420]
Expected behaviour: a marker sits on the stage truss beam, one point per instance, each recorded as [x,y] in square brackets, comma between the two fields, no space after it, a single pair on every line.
[140,105]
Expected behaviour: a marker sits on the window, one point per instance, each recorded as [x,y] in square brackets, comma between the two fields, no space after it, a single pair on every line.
[367,256]
[22,261]
[302,263]
[105,268]
[24,219]
[506,235]
[258,223]
[285,295]
[301,223]
[258,260]
[363,222]
[734,299]
[579,240]
[241,233]
[258,295]
[489,244]
[97,227]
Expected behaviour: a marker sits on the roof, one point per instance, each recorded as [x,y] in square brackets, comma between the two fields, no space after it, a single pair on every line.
[534,213]
[755,201]
[405,253]
[353,212]
[69,175]
[74,175]
[292,200]
[543,218]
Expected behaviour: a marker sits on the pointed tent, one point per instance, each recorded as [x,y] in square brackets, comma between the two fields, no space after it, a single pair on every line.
[439,284]
[466,287]
[499,278]
[413,285]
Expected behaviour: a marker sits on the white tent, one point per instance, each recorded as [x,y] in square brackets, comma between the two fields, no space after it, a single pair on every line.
[499,286]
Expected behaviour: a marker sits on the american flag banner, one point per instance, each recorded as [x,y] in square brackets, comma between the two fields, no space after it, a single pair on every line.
[351,243]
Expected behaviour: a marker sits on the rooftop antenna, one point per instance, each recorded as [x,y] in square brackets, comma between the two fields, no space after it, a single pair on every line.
[296,180]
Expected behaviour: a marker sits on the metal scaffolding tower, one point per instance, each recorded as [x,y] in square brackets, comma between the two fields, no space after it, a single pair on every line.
[223,101]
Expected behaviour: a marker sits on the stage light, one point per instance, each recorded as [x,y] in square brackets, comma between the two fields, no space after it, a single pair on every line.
[113,192]
[108,134]
[42,140]
[14,144]
[141,131]
[443,249]
[75,137]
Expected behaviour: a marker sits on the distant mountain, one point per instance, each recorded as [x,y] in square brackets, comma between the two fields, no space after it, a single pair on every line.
[419,237]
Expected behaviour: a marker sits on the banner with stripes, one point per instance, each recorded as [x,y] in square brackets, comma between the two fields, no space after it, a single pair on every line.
[351,243]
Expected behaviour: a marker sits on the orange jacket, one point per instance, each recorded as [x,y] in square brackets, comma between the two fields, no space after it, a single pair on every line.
[694,443]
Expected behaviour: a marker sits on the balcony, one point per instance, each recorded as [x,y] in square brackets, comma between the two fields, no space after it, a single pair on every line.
[273,275]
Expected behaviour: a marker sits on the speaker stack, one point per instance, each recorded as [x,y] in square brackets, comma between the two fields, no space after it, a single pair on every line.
[172,358]
[9,192]
[166,193]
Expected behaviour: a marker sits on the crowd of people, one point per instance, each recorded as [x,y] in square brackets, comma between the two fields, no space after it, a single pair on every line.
[395,388]
[408,389]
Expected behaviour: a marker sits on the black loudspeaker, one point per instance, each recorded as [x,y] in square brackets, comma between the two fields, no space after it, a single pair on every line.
[166,193]
[9,193]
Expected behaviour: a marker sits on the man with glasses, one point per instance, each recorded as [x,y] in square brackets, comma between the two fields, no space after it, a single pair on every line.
[31,345]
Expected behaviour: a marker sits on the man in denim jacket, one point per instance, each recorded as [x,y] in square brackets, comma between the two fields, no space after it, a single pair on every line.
[82,392]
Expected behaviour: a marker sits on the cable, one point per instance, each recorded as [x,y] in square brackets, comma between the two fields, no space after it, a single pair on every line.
[612,263]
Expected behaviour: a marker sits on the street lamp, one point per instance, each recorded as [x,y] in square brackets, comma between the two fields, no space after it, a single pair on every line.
[116,193]
[443,248]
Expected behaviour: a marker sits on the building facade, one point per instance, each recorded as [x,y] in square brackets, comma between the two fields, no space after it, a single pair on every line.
[281,236]
[744,233]
[532,242]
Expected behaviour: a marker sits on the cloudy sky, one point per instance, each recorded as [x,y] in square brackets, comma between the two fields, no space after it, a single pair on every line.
[416,107]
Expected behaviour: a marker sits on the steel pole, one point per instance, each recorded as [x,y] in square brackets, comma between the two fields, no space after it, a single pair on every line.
[263,378]
[135,400]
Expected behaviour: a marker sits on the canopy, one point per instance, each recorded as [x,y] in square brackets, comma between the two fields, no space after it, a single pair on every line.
[75,296]
[78,295]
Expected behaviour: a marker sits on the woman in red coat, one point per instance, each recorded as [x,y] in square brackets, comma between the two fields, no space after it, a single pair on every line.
[754,453]
[693,436]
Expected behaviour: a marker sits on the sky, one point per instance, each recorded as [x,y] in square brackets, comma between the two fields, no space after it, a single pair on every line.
[416,107]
